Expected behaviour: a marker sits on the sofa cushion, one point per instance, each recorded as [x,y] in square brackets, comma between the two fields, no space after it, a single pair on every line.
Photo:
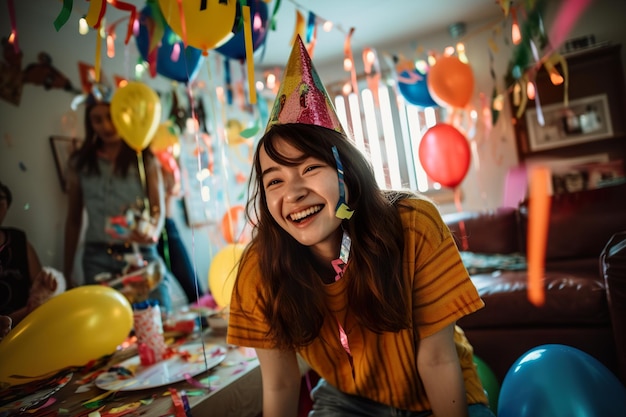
[572,297]
[492,231]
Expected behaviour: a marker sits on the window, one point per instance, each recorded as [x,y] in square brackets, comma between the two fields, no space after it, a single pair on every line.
[398,128]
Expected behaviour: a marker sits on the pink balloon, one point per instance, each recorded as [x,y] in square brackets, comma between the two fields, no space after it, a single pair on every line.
[445,154]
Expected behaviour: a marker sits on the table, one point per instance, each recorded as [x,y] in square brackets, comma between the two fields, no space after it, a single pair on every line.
[236,392]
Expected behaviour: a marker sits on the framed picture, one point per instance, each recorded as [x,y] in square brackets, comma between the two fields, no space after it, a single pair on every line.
[62,148]
[584,120]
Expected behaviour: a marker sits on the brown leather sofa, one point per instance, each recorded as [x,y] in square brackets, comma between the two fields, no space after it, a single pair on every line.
[585,279]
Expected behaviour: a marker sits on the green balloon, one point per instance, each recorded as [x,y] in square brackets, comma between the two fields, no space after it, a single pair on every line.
[489,381]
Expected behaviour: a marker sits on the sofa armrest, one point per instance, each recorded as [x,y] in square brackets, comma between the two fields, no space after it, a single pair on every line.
[489,232]
[613,269]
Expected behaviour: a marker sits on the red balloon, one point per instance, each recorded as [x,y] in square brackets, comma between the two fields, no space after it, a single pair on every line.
[445,154]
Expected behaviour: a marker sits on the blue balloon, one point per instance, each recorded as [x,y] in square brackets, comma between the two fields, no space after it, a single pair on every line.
[189,60]
[560,381]
[235,48]
[416,93]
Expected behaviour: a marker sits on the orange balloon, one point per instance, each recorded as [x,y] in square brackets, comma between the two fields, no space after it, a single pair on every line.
[230,221]
[451,82]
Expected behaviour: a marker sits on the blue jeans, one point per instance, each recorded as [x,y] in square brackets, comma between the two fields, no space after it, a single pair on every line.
[97,260]
[328,401]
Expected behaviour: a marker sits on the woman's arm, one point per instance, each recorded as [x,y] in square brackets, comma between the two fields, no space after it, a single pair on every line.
[281,382]
[156,201]
[42,285]
[73,225]
[440,370]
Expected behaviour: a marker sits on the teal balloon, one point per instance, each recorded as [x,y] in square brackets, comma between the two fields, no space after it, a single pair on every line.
[560,381]
[489,381]
[417,92]
[189,61]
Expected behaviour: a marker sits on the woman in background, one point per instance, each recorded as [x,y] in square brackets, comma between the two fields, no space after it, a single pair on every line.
[104,178]
[24,284]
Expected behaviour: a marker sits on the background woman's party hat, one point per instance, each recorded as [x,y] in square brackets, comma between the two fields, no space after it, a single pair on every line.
[302,98]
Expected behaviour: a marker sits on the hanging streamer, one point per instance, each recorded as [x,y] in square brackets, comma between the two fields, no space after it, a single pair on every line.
[13,38]
[347,51]
[97,60]
[247,29]
[538,224]
[459,208]
[63,15]
[158,25]
[274,13]
[299,28]
[120,5]
[95,13]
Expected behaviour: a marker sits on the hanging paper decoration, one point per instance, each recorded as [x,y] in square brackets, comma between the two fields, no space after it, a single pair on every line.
[235,48]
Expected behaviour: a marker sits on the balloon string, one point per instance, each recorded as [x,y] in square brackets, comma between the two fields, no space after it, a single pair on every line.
[457,203]
[219,135]
[142,177]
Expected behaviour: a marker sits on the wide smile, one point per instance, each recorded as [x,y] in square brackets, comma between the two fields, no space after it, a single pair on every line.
[299,216]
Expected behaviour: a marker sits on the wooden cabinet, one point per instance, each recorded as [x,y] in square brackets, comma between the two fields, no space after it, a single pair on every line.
[596,89]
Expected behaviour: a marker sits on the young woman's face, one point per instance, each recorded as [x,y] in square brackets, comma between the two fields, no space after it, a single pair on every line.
[100,118]
[302,199]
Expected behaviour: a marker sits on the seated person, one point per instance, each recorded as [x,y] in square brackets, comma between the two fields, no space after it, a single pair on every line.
[24,284]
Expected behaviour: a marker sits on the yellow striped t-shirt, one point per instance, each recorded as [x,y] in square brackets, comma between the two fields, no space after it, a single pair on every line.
[385,365]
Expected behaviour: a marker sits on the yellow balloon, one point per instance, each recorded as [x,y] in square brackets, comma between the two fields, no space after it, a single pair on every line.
[164,139]
[223,271]
[206,27]
[136,112]
[71,329]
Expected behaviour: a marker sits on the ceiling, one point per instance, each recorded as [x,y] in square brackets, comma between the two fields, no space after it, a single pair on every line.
[377,23]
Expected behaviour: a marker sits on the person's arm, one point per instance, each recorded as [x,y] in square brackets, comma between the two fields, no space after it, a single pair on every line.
[440,370]
[73,225]
[281,382]
[42,285]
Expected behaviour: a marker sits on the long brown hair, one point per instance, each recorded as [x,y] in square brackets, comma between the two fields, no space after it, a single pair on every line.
[293,296]
[85,158]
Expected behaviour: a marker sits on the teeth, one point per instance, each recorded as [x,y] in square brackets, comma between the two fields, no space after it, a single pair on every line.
[304,213]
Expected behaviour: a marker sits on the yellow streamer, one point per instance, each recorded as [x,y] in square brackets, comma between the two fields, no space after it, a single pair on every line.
[98,53]
[95,13]
[299,30]
[247,31]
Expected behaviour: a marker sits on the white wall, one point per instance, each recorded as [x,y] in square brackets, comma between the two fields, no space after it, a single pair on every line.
[27,166]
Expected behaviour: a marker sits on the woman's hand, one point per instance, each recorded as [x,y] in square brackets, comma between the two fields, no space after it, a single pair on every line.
[144,232]
[42,289]
[5,326]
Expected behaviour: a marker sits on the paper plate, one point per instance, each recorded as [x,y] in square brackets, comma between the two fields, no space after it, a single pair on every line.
[169,371]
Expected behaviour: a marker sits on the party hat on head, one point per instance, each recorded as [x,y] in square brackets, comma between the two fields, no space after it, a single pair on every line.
[302,98]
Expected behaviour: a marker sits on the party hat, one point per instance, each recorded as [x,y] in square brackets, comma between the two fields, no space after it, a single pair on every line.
[302,98]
